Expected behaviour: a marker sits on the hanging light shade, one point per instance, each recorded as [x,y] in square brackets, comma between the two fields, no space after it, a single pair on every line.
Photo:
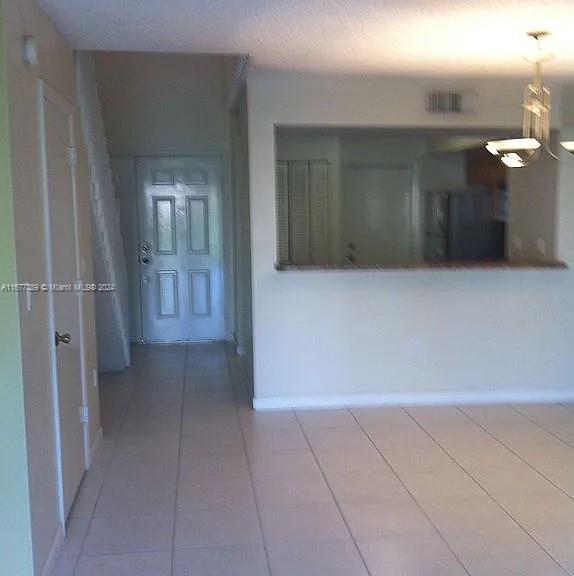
[519,152]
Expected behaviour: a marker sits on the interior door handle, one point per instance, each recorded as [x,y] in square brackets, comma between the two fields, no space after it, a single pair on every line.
[62,338]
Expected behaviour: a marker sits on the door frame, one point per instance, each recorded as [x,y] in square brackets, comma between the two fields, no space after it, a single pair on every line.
[223,210]
[46,92]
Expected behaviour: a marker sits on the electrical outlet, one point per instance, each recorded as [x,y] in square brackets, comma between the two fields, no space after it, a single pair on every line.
[517,241]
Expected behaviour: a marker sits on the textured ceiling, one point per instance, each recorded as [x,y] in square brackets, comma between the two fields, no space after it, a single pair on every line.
[463,37]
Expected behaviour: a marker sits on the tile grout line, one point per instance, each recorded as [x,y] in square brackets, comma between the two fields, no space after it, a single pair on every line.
[107,468]
[538,425]
[420,507]
[355,544]
[487,493]
[178,467]
[504,445]
[249,469]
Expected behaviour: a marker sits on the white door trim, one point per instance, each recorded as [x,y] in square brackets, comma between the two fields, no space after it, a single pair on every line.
[46,92]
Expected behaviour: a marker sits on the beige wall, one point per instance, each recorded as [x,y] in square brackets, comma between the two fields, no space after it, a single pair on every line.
[157,105]
[163,103]
[56,67]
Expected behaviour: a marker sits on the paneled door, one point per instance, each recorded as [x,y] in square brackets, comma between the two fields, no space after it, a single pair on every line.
[180,248]
[378,214]
[60,211]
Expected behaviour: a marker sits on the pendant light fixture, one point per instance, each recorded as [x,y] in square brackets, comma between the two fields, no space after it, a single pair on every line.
[519,152]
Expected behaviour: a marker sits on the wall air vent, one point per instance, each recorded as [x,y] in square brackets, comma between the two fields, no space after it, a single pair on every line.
[447,102]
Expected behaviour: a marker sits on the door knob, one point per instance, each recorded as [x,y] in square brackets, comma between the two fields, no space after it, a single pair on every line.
[62,338]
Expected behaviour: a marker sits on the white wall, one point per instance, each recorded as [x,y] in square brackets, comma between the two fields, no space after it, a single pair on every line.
[163,105]
[533,206]
[56,68]
[334,337]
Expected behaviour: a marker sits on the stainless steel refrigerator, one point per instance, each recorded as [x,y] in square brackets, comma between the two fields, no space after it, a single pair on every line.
[464,226]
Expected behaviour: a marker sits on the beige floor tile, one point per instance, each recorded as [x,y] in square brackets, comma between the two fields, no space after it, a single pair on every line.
[351,486]
[314,419]
[416,460]
[503,479]
[463,516]
[348,460]
[213,466]
[122,534]
[370,520]
[140,564]
[338,439]
[140,447]
[217,443]
[291,489]
[150,472]
[223,527]
[450,483]
[511,554]
[411,556]
[303,522]
[143,497]
[276,420]
[282,440]
[64,566]
[559,543]
[306,533]
[327,558]
[214,492]
[538,511]
[280,463]
[221,561]
[76,530]
[85,501]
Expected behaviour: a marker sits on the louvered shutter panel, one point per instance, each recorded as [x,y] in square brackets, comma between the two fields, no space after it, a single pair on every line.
[299,211]
[319,211]
[282,178]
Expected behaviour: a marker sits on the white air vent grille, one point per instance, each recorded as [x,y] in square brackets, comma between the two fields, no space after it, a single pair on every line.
[445,102]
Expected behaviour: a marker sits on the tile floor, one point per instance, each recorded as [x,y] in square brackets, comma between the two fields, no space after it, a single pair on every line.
[191,482]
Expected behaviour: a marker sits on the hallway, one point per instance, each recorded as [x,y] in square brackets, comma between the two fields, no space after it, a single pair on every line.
[192,482]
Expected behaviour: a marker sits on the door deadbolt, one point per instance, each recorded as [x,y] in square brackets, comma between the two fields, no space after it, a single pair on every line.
[62,338]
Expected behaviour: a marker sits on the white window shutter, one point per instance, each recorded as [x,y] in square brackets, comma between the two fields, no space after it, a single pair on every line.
[319,211]
[299,211]
[282,178]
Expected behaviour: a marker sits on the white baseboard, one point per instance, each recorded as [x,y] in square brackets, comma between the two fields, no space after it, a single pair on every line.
[54,551]
[414,399]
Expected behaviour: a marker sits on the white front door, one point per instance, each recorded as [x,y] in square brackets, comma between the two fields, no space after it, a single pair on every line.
[180,248]
[377,215]
[60,205]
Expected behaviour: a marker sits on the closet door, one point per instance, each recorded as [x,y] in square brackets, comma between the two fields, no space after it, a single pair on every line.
[299,211]
[319,211]
[282,178]
[302,211]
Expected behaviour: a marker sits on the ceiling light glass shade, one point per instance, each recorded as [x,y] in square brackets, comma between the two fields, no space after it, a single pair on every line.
[515,152]
[519,160]
[569,145]
[519,152]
